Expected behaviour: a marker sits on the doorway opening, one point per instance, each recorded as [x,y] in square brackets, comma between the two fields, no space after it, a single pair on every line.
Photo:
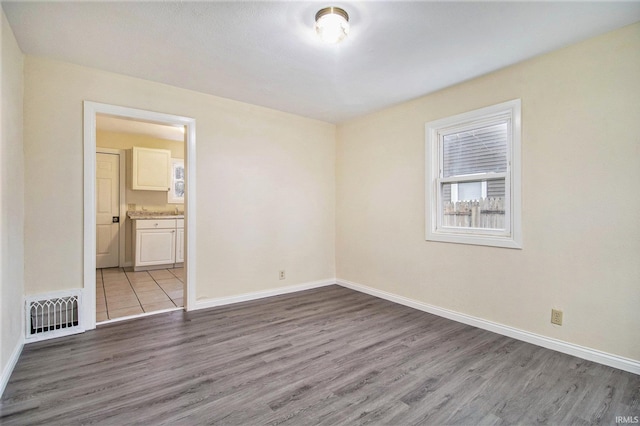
[111,210]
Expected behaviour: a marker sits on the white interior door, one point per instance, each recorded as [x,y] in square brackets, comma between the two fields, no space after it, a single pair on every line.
[107,208]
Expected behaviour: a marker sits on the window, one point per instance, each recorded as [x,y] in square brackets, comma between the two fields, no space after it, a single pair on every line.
[176,191]
[473,177]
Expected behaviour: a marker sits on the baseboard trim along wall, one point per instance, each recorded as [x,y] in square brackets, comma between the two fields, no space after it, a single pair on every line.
[8,369]
[210,303]
[589,354]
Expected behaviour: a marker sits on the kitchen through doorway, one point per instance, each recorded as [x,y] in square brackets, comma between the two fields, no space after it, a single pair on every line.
[142,227]
[143,216]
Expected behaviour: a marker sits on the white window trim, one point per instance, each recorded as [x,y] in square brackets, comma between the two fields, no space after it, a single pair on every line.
[512,236]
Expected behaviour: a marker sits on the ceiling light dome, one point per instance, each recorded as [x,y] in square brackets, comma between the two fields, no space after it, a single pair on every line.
[332,24]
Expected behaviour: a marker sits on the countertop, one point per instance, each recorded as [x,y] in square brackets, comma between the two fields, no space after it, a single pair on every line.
[142,215]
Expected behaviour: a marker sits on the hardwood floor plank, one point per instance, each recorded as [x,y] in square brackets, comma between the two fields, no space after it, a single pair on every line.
[325,356]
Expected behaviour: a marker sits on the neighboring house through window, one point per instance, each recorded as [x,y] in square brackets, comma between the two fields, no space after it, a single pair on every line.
[473,177]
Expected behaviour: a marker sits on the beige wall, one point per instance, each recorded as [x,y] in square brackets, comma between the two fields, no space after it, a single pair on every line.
[117,140]
[143,200]
[11,197]
[265,182]
[581,170]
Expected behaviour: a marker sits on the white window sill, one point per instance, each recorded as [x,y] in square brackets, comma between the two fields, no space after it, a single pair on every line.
[478,240]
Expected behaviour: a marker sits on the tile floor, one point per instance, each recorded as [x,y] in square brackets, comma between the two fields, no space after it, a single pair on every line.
[120,293]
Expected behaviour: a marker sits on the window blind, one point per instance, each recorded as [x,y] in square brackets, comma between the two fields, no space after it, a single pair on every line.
[481,150]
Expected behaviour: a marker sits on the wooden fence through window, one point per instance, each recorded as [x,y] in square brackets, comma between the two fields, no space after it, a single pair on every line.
[484,213]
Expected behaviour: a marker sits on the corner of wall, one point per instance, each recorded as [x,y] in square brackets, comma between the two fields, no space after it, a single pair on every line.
[11,202]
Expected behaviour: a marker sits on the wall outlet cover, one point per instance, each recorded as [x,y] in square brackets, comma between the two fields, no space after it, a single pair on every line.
[556,316]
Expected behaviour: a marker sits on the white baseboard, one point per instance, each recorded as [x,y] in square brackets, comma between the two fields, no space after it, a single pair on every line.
[13,359]
[604,358]
[210,303]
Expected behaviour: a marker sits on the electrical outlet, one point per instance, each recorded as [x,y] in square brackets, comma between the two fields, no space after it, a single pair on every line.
[556,316]
[282,275]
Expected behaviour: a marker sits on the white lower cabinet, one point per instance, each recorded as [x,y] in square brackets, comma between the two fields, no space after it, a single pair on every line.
[180,241]
[158,242]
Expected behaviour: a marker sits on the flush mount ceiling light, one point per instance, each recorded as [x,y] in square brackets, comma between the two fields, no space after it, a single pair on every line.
[332,24]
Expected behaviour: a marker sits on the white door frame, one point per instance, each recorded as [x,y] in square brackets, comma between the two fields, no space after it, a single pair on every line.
[89,273]
[122,209]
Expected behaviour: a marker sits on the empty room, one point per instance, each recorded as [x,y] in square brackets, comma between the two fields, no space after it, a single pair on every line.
[310,213]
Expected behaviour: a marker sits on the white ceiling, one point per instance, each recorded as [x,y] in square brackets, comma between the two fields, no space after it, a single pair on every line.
[266,53]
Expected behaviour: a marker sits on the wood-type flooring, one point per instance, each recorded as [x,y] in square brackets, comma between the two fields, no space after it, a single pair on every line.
[328,356]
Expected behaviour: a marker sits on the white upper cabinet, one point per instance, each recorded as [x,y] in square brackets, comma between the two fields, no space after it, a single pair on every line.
[151,169]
